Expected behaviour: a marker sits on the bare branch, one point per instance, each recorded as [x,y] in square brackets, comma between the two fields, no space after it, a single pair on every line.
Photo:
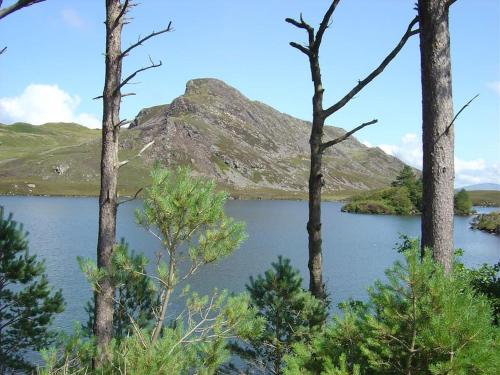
[458,113]
[98,97]
[132,198]
[125,162]
[123,11]
[300,25]
[324,25]
[3,50]
[16,6]
[142,40]
[128,94]
[145,148]
[325,145]
[303,25]
[362,83]
[127,80]
[122,123]
[301,48]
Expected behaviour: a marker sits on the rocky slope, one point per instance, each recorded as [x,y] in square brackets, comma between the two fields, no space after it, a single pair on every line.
[248,147]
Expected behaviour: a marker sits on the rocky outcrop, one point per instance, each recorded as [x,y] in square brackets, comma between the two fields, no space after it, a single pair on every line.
[242,143]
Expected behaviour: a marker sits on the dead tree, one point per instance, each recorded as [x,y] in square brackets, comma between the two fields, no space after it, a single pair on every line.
[4,12]
[317,145]
[116,17]
[437,130]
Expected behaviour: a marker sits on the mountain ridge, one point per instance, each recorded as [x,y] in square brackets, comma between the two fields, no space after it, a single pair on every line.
[248,147]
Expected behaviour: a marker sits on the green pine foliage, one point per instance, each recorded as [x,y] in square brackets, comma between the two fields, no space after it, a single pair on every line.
[186,215]
[27,303]
[420,321]
[409,180]
[486,280]
[291,315]
[135,294]
[194,345]
[463,203]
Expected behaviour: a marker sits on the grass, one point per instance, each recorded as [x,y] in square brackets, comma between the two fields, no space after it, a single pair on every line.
[490,198]
[30,154]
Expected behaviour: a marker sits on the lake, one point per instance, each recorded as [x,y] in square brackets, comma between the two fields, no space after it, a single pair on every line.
[357,248]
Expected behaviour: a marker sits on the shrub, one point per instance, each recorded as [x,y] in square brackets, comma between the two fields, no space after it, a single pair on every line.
[27,303]
[421,321]
[463,203]
[291,315]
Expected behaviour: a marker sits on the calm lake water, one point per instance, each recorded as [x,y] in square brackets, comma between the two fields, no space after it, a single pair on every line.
[357,248]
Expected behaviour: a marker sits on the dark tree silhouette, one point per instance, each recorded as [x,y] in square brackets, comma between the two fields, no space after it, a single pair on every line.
[317,145]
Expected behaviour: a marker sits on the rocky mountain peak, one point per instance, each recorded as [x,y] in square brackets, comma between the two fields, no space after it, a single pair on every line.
[247,145]
[211,87]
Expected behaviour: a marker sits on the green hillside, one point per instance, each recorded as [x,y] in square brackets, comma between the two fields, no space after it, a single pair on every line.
[489,198]
[58,159]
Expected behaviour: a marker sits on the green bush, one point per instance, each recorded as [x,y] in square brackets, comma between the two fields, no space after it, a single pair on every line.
[194,344]
[463,203]
[28,303]
[369,207]
[421,321]
[291,315]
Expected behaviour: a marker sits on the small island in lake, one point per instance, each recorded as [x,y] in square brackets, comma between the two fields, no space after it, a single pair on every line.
[403,197]
[487,222]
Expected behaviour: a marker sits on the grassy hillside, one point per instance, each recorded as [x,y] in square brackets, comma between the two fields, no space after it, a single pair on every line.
[63,159]
[489,198]
[58,159]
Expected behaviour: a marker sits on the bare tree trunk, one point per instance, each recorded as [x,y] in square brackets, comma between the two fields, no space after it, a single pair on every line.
[437,132]
[317,146]
[116,12]
[315,263]
[103,326]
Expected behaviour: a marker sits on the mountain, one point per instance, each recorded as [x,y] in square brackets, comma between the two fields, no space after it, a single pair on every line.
[251,149]
[490,186]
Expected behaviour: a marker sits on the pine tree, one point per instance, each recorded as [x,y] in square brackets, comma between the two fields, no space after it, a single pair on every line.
[27,306]
[406,178]
[420,321]
[291,315]
[135,296]
[463,203]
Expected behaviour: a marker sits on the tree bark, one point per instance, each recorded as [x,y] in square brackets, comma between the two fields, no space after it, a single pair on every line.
[437,132]
[103,326]
[315,263]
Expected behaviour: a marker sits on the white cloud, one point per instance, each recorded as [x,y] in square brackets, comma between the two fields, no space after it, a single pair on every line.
[39,104]
[495,86]
[467,172]
[367,144]
[72,18]
[409,150]
[477,171]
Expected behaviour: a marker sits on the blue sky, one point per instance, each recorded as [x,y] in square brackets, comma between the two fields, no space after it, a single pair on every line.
[54,65]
